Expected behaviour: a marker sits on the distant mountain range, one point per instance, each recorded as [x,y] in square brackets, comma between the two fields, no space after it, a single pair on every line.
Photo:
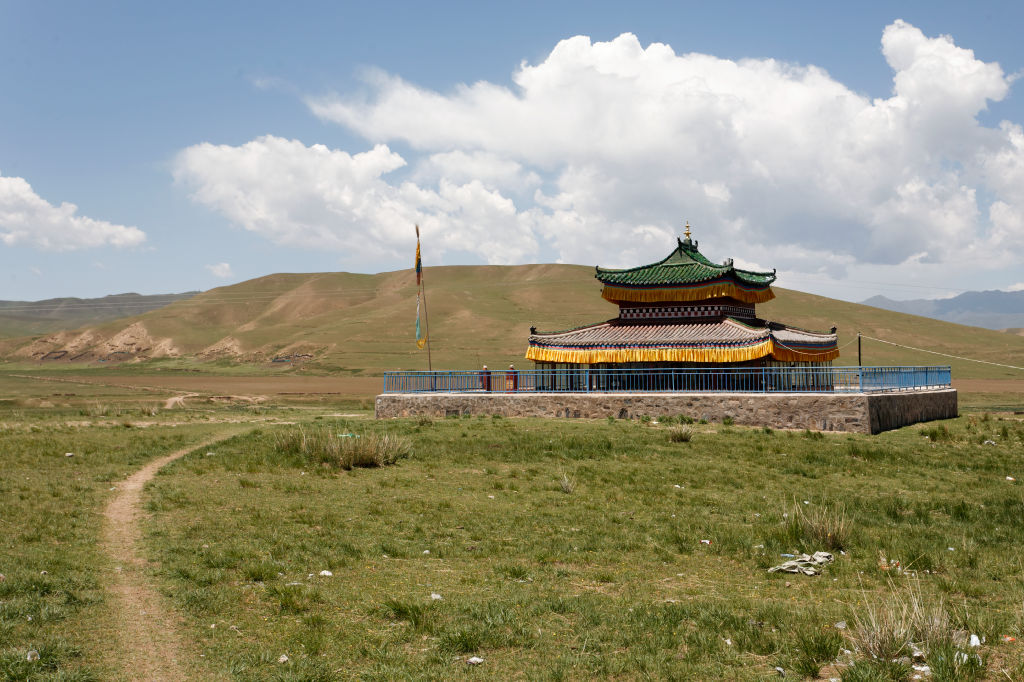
[989,309]
[24,318]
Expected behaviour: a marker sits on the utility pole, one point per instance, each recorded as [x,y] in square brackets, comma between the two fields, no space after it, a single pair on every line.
[860,363]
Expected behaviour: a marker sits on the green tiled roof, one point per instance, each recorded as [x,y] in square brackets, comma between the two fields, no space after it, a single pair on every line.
[685,265]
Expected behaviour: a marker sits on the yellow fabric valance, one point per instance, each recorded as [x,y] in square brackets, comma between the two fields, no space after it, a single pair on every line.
[785,354]
[590,356]
[671,294]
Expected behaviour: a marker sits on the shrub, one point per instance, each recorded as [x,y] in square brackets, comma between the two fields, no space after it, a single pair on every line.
[938,434]
[817,647]
[886,627]
[320,445]
[728,421]
[952,663]
[823,526]
[680,434]
[413,613]
[567,483]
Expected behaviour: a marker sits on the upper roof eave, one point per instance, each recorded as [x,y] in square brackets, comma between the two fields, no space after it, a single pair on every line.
[685,254]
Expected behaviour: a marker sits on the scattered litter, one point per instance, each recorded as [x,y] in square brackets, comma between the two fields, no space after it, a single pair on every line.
[923,669]
[780,671]
[348,435]
[435,596]
[293,584]
[728,641]
[790,556]
[69,454]
[213,626]
[974,641]
[326,574]
[234,627]
[283,658]
[309,576]
[677,486]
[807,501]
[841,625]
[916,653]
[950,549]
[210,454]
[1010,478]
[705,542]
[758,546]
[33,655]
[490,497]
[475,660]
[1006,638]
[42,572]
[806,564]
[426,551]
[990,442]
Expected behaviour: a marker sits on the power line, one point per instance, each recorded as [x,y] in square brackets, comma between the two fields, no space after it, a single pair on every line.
[947,355]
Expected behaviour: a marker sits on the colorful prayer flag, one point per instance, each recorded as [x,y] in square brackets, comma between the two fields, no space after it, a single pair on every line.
[419,264]
[421,339]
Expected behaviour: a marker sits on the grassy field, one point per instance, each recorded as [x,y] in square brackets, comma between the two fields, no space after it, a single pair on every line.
[558,550]
[52,592]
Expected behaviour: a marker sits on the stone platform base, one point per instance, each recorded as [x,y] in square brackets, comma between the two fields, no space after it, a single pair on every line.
[856,412]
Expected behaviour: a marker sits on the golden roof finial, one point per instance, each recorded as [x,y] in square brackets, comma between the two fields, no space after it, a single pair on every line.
[687,229]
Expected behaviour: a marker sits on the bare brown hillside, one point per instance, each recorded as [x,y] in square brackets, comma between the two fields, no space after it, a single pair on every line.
[478,314]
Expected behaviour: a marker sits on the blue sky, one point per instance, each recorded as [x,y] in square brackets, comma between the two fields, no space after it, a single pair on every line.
[187,135]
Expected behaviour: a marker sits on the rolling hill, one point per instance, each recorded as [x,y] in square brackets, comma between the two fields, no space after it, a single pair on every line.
[22,318]
[335,322]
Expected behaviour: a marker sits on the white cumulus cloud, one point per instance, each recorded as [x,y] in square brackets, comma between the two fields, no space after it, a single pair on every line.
[315,197]
[28,219]
[221,270]
[598,152]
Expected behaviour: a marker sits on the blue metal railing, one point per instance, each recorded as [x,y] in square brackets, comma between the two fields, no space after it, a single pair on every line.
[685,380]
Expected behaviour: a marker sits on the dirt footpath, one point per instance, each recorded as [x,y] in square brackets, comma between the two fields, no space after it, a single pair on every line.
[151,643]
[344,387]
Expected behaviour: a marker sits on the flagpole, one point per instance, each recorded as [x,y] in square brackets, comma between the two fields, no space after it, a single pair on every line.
[426,315]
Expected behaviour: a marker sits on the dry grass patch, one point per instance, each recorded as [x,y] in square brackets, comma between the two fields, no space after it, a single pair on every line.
[826,526]
[680,434]
[322,445]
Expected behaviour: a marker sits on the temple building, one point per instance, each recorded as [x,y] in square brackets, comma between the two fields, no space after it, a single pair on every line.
[680,312]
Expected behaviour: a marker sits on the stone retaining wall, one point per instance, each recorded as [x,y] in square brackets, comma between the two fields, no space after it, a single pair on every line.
[856,412]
